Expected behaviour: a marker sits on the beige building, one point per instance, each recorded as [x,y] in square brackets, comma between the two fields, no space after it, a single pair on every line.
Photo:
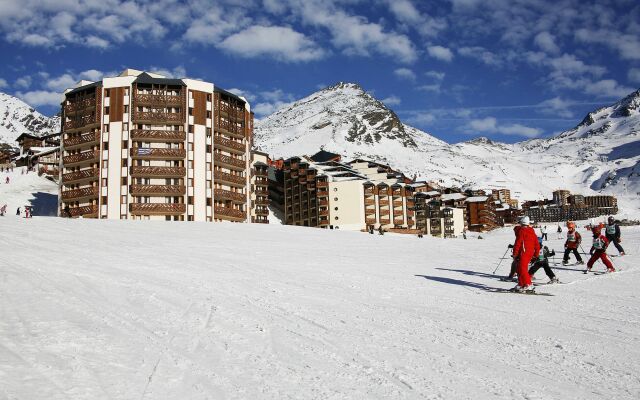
[143,146]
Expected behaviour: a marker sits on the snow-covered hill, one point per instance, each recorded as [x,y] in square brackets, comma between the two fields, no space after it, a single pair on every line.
[17,117]
[28,189]
[601,155]
[179,310]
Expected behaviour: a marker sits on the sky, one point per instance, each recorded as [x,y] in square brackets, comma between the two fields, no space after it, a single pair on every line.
[509,70]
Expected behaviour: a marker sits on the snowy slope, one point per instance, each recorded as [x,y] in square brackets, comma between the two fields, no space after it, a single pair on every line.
[145,310]
[600,155]
[17,117]
[28,189]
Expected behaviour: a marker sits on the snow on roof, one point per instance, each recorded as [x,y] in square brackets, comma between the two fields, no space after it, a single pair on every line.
[452,196]
[477,199]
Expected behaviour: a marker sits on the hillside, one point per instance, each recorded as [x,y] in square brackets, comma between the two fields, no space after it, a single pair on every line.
[599,155]
[28,189]
[17,117]
[144,310]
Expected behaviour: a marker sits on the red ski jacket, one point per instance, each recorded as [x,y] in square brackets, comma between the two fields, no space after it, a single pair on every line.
[527,244]
[573,240]
[600,244]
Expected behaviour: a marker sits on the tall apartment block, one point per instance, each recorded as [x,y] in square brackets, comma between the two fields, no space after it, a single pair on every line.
[142,146]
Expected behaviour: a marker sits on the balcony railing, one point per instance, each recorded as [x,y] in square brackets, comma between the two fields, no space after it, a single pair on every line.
[398,221]
[82,211]
[261,191]
[323,213]
[323,193]
[262,202]
[228,144]
[68,195]
[265,182]
[370,221]
[87,174]
[149,153]
[397,203]
[157,208]
[369,202]
[162,172]
[157,116]
[93,156]
[157,99]
[79,105]
[79,123]
[150,135]
[322,184]
[229,213]
[230,162]
[383,202]
[230,129]
[157,190]
[264,211]
[384,220]
[89,138]
[229,195]
[227,178]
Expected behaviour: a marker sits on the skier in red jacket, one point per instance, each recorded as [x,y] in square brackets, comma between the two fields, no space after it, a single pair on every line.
[571,245]
[599,250]
[525,248]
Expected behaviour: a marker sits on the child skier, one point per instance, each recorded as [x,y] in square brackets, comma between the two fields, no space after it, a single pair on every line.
[613,234]
[543,231]
[599,250]
[525,248]
[543,262]
[572,244]
[559,232]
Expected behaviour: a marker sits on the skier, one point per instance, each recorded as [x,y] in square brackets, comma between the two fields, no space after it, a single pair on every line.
[26,212]
[3,210]
[543,262]
[559,232]
[599,250]
[525,248]
[572,244]
[7,180]
[514,262]
[380,230]
[18,211]
[544,232]
[613,234]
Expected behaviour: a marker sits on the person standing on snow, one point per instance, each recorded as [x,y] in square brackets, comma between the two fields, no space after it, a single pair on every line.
[18,211]
[599,250]
[613,234]
[525,248]
[514,263]
[559,232]
[572,244]
[7,180]
[543,231]
[543,262]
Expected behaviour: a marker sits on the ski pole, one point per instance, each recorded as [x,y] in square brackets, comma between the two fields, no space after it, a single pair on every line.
[500,262]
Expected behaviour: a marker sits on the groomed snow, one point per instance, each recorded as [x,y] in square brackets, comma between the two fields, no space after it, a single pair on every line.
[28,189]
[95,309]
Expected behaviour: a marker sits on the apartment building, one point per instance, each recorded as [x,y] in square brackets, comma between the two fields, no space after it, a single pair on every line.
[435,219]
[561,197]
[259,187]
[481,213]
[143,146]
[356,196]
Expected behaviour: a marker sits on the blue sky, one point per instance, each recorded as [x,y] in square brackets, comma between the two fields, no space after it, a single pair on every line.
[506,69]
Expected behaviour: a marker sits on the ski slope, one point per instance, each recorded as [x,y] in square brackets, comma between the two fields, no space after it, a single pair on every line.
[95,309]
[28,189]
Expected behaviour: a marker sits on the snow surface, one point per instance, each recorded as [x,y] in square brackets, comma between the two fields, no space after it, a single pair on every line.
[163,310]
[28,189]
[17,117]
[598,156]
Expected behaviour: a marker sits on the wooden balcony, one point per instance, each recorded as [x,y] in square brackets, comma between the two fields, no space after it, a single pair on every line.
[265,182]
[80,122]
[84,211]
[383,203]
[150,135]
[82,140]
[370,221]
[228,144]
[410,222]
[262,202]
[80,194]
[80,176]
[230,129]
[384,221]
[79,105]
[398,221]
[222,194]
[154,116]
[311,186]
[157,99]
[261,191]
[369,202]
[229,214]
[322,184]
[157,172]
[323,213]
[230,162]
[397,203]
[157,208]
[323,193]
[263,211]
[261,172]
[229,179]
[158,154]
[81,158]
[323,203]
[157,190]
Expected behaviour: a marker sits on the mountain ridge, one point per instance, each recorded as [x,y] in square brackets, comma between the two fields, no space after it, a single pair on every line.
[17,117]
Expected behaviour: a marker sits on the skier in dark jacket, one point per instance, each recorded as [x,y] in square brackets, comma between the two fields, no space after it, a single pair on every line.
[543,262]
[612,231]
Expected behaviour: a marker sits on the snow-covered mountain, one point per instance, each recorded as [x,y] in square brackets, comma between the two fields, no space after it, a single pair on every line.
[17,117]
[601,154]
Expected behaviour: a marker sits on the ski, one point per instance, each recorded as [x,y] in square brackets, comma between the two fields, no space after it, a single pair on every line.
[529,293]
[549,283]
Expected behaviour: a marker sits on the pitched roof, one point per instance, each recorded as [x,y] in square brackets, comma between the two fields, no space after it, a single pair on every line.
[323,156]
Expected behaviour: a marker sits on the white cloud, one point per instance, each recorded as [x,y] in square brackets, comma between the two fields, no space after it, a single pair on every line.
[481,54]
[3,83]
[420,118]
[94,41]
[23,82]
[607,88]
[634,75]
[243,93]
[91,75]
[392,101]
[434,88]
[175,72]
[405,73]
[60,83]
[41,98]
[437,75]
[440,52]
[490,125]
[556,106]
[627,45]
[280,43]
[546,42]
[270,101]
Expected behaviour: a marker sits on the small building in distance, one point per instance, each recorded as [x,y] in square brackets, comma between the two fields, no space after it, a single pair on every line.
[481,213]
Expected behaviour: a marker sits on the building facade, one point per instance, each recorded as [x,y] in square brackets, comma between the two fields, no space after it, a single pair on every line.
[259,188]
[142,146]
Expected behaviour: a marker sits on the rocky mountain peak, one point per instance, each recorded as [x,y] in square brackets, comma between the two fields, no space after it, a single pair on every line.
[17,117]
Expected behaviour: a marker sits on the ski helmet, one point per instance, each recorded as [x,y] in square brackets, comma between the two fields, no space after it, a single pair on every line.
[524,220]
[596,230]
[611,219]
[571,225]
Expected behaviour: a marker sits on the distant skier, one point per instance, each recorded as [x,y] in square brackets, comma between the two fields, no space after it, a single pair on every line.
[18,211]
[525,248]
[3,210]
[380,230]
[599,250]
[559,232]
[572,244]
[26,212]
[613,234]
[543,262]
[6,180]
[543,230]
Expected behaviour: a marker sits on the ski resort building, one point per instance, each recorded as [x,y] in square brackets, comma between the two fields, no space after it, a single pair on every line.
[432,218]
[259,188]
[143,146]
[356,196]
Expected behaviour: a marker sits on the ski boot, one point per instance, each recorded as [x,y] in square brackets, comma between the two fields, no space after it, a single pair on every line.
[553,280]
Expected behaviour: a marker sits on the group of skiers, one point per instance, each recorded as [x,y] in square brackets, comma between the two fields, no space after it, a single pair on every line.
[529,255]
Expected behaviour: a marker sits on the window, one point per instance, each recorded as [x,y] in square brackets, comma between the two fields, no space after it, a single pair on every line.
[104,181]
[123,199]
[126,110]
[106,110]
[190,110]
[106,93]
[125,145]
[105,164]
[190,200]
[124,181]
[208,132]
[208,149]
[104,200]
[190,147]
[105,128]
[106,146]
[190,128]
